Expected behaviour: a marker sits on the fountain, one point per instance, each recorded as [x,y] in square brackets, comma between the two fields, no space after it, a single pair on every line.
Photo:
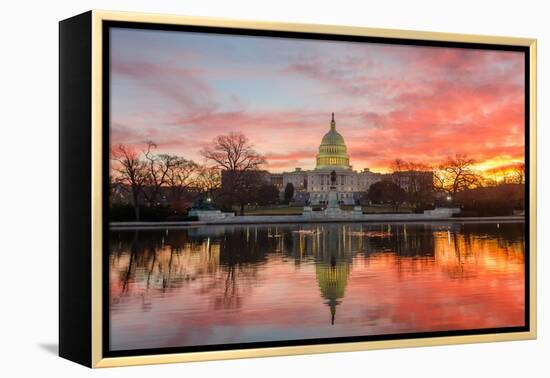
[205,210]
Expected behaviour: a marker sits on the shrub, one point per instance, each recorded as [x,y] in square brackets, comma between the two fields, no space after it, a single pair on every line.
[125,213]
[498,200]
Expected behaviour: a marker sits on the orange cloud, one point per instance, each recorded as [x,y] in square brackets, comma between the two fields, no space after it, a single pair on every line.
[410,102]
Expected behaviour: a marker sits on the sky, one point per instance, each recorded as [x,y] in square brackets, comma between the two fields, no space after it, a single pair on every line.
[417,103]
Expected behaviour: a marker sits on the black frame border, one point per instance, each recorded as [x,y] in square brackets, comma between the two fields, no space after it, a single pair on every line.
[107,25]
[75,184]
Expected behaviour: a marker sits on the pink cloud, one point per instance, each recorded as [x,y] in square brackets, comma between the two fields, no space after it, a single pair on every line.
[414,103]
[181,85]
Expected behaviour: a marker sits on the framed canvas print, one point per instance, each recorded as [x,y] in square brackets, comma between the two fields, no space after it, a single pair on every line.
[234,189]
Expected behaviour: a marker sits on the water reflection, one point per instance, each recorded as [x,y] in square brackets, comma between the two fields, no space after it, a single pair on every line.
[226,284]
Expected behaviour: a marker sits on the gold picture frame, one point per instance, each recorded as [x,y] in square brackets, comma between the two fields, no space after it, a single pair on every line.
[89,330]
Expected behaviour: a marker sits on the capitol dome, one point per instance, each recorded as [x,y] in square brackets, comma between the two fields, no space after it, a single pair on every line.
[333,153]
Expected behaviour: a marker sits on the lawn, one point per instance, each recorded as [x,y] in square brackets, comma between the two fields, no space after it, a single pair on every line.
[273,210]
[379,209]
[297,210]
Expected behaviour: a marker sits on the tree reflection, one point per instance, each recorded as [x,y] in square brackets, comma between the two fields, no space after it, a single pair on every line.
[226,263]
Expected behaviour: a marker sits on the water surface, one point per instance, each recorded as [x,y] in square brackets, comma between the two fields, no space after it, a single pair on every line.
[235,284]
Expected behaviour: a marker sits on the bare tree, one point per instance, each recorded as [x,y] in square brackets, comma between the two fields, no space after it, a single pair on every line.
[399,167]
[416,179]
[248,189]
[157,171]
[456,174]
[180,175]
[131,170]
[208,181]
[118,193]
[233,152]
[235,155]
[518,174]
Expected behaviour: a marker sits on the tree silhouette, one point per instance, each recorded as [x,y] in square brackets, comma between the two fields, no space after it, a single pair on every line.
[289,192]
[132,171]
[208,181]
[235,156]
[457,174]
[268,195]
[416,179]
[386,191]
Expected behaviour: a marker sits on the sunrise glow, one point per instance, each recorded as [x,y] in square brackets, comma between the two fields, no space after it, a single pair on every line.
[416,103]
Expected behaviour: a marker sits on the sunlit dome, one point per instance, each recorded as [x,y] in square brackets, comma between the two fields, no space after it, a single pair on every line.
[333,153]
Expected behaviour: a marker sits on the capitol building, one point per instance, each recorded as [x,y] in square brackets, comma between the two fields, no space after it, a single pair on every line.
[312,186]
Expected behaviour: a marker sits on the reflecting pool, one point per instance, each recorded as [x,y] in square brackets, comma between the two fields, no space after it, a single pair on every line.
[235,284]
